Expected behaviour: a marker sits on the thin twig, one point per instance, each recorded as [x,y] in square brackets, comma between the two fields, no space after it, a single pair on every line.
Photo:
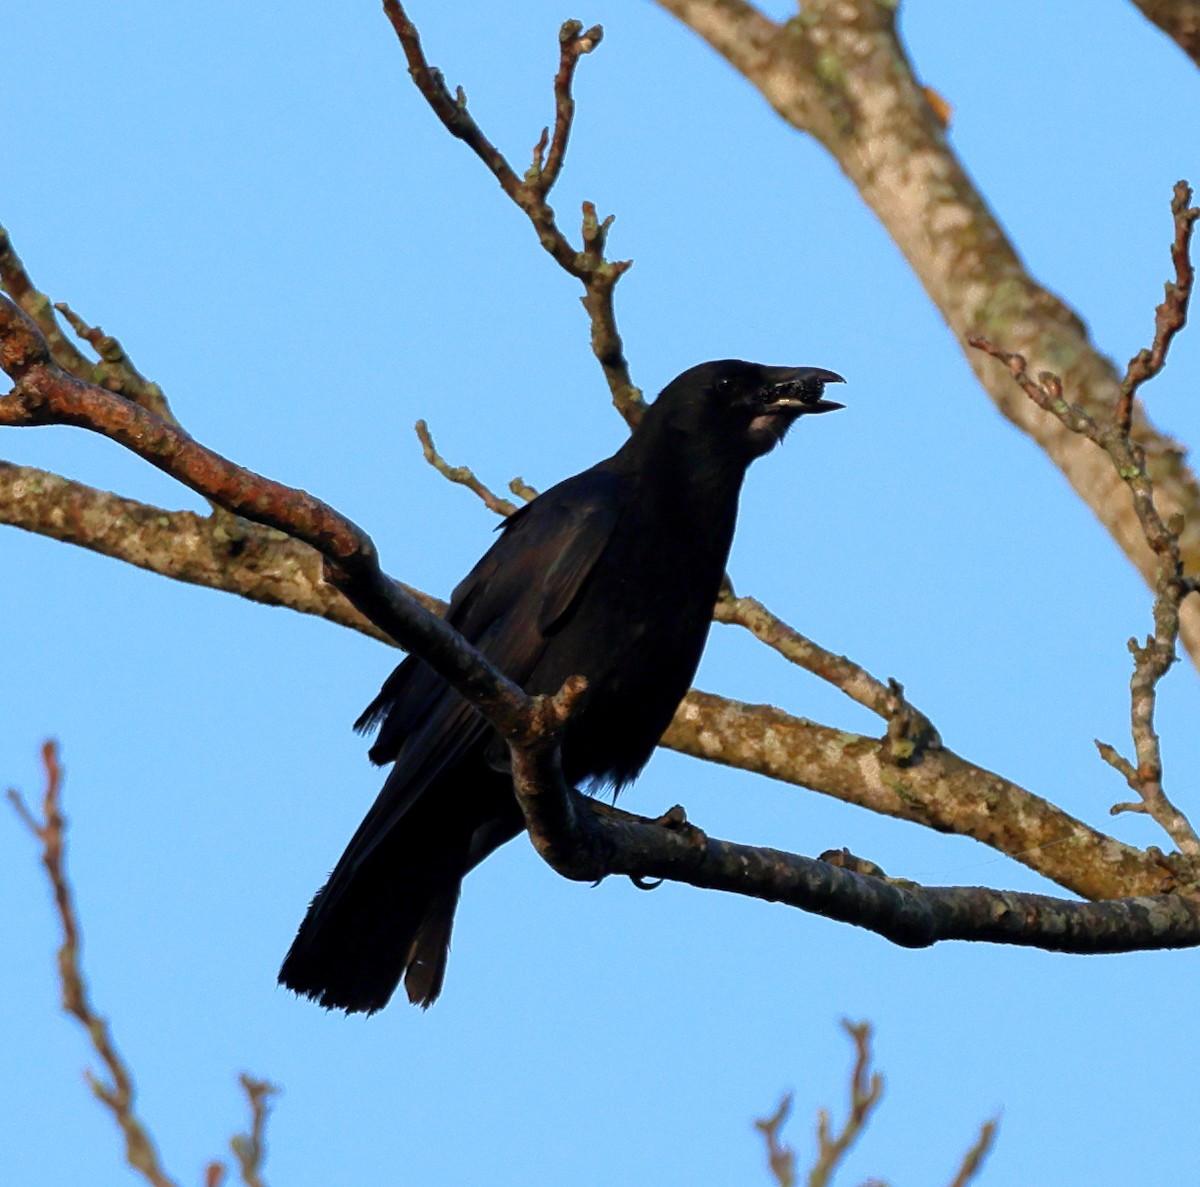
[1153,659]
[866,1087]
[780,1158]
[115,370]
[1171,315]
[15,281]
[972,1161]
[462,475]
[249,1148]
[522,489]
[910,732]
[117,1093]
[588,265]
[573,44]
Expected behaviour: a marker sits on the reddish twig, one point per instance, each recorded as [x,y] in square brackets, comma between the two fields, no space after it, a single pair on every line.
[117,1093]
[588,265]
[573,44]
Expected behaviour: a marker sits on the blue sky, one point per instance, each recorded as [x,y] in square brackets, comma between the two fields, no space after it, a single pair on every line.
[257,202]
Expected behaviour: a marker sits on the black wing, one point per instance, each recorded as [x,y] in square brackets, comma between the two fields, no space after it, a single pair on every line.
[509,606]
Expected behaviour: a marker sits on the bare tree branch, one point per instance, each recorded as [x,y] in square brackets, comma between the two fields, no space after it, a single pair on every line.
[1169,318]
[461,475]
[781,1159]
[1171,585]
[866,1088]
[116,1093]
[582,841]
[249,1148]
[115,370]
[972,1162]
[943,791]
[588,265]
[839,72]
[577,841]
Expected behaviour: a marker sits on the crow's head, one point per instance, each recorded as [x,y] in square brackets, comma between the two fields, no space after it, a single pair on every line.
[748,405]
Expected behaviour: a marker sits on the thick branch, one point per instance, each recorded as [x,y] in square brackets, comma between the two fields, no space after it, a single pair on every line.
[839,72]
[941,791]
[1179,20]
[44,394]
[577,840]
[585,844]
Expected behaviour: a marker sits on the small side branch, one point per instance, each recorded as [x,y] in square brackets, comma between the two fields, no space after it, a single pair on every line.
[1171,315]
[910,733]
[973,1160]
[116,1092]
[1171,586]
[461,475]
[781,1158]
[587,264]
[249,1148]
[115,370]
[866,1088]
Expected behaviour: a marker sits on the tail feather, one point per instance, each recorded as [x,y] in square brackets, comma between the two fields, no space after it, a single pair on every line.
[354,946]
[387,911]
[425,969]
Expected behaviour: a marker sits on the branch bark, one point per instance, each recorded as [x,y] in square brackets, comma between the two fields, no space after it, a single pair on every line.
[267,525]
[578,840]
[943,791]
[1179,20]
[839,72]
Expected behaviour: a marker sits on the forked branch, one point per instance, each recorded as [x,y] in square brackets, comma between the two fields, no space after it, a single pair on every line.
[1172,585]
[587,263]
[865,1092]
[579,840]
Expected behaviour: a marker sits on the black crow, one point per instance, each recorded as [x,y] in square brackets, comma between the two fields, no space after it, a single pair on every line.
[611,575]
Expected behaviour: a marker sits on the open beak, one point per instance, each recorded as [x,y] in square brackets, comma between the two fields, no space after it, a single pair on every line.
[801,389]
